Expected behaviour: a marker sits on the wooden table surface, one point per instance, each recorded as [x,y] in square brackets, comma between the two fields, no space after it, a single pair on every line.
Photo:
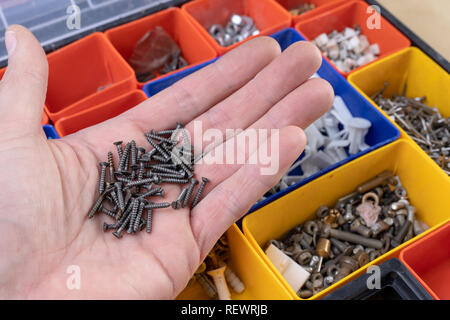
[429,19]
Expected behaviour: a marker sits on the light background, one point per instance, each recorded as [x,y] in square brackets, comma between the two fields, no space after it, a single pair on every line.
[429,19]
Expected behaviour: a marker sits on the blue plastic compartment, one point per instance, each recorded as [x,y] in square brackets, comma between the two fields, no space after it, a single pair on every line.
[155,86]
[381,132]
[50,132]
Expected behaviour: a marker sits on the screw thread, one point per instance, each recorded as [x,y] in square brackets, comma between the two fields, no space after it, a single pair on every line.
[120,195]
[124,157]
[157,137]
[137,221]
[119,148]
[152,205]
[149,220]
[133,215]
[111,166]
[173,180]
[133,153]
[157,147]
[189,192]
[199,193]
[101,185]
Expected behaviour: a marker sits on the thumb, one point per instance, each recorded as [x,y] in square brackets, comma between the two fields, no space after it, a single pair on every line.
[24,85]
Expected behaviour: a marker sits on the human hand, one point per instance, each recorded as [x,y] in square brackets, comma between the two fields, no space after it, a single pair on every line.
[48,186]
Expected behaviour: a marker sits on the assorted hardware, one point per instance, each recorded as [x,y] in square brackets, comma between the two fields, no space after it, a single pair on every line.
[424,124]
[361,227]
[238,28]
[215,276]
[156,53]
[331,139]
[126,195]
[302,8]
[348,49]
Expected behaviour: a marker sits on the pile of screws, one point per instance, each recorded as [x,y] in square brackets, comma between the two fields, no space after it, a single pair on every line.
[215,267]
[424,124]
[331,139]
[361,227]
[238,28]
[302,8]
[126,194]
[348,49]
[156,53]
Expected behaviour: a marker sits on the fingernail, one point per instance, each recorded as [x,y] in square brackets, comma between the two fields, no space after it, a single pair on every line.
[10,41]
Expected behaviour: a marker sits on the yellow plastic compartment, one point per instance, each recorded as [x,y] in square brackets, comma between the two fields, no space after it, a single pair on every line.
[428,189]
[410,67]
[260,282]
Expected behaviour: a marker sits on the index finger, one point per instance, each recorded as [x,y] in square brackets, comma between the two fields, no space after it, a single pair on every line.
[193,95]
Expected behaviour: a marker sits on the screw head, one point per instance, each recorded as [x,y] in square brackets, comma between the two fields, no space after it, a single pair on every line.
[117,234]
[117,143]
[205,180]
[157,179]
[104,164]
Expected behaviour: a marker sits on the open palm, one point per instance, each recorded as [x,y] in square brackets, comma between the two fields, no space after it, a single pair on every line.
[47,187]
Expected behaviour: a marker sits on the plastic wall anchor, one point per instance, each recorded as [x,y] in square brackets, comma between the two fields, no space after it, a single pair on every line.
[309,168]
[291,271]
[331,125]
[340,110]
[290,180]
[314,137]
[283,185]
[298,163]
[218,276]
[357,129]
[322,160]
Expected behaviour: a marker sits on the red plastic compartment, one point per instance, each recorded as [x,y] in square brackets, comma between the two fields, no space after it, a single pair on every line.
[388,37]
[44,120]
[194,47]
[268,16]
[100,113]
[84,74]
[429,260]
[321,7]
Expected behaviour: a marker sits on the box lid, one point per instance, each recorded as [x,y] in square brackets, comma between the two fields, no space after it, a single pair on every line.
[58,22]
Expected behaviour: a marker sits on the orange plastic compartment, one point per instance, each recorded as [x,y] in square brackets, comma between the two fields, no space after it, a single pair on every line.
[100,113]
[84,74]
[44,120]
[321,7]
[429,261]
[194,47]
[268,16]
[388,37]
